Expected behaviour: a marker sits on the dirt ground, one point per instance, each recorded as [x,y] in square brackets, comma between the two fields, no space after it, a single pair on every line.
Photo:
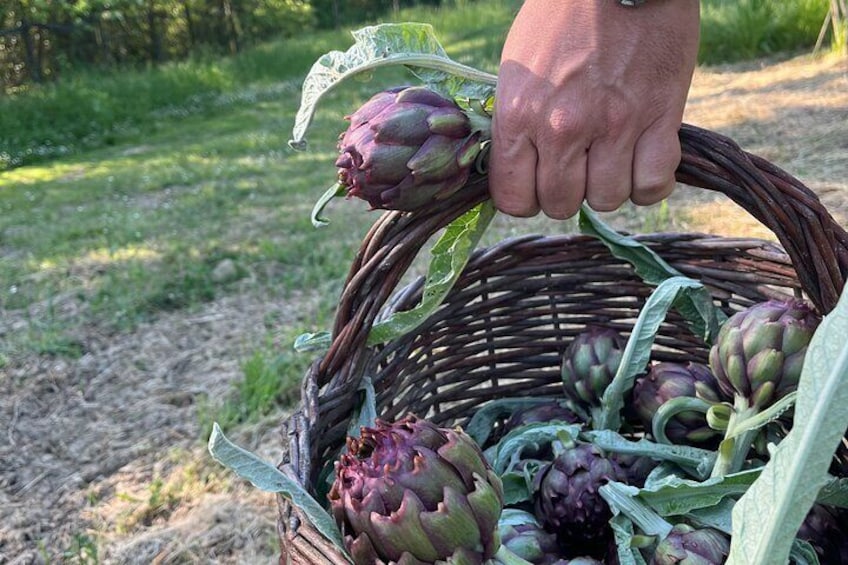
[103,454]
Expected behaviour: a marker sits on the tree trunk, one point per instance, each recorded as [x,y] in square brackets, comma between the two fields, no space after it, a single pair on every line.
[232,25]
[153,31]
[189,24]
[29,50]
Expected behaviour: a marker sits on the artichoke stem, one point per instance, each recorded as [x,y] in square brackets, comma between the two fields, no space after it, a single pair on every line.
[734,448]
[672,408]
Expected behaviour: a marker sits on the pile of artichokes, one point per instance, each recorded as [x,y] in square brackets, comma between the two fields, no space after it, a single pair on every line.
[411,492]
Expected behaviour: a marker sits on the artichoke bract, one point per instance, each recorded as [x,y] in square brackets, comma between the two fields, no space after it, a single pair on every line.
[759,351]
[412,492]
[568,501]
[667,381]
[589,365]
[689,546]
[406,147]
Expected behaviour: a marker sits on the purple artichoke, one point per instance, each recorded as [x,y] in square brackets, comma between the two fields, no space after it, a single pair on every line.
[522,534]
[759,351]
[688,546]
[552,411]
[568,501]
[411,492]
[824,530]
[667,381]
[589,365]
[406,147]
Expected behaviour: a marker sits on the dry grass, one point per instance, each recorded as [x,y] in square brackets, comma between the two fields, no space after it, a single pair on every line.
[83,447]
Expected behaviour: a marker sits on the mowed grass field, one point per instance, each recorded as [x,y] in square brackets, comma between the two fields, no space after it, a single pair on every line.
[157,261]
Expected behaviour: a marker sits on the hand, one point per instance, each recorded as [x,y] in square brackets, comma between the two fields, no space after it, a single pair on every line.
[589,102]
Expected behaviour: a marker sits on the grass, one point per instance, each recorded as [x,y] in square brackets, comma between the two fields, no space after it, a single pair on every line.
[138,188]
[737,30]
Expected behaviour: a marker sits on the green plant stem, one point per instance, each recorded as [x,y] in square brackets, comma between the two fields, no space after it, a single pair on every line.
[737,439]
[670,409]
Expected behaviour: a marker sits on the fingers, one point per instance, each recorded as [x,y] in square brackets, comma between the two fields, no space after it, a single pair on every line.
[512,172]
[655,160]
[561,181]
[609,179]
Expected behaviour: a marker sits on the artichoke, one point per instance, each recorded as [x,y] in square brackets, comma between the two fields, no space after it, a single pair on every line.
[688,546]
[522,534]
[667,381]
[589,365]
[824,530]
[759,351]
[406,147]
[568,501]
[545,412]
[411,492]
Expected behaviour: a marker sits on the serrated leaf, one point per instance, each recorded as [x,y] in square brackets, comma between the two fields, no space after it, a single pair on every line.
[448,257]
[695,305]
[482,423]
[675,496]
[698,461]
[267,477]
[637,352]
[411,44]
[766,518]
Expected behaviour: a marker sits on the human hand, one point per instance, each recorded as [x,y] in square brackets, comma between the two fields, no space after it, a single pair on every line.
[589,102]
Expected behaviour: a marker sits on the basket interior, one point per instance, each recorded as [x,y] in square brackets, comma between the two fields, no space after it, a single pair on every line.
[502,330]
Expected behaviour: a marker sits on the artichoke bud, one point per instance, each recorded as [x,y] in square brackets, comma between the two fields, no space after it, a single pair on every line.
[667,381]
[589,365]
[568,501]
[522,534]
[405,148]
[826,532]
[759,351]
[688,546]
[411,492]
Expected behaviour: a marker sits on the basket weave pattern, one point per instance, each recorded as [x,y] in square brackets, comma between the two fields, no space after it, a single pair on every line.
[502,330]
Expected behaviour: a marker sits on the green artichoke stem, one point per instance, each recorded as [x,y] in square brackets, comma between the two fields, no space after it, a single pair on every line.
[734,448]
[505,557]
[482,123]
[670,409]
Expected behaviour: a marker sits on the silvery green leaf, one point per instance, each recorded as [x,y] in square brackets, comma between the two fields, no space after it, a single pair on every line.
[637,352]
[766,518]
[675,496]
[334,191]
[411,44]
[699,461]
[517,517]
[533,436]
[802,553]
[267,477]
[622,529]
[515,488]
[365,415]
[717,516]
[317,341]
[834,492]
[482,423]
[625,499]
[448,257]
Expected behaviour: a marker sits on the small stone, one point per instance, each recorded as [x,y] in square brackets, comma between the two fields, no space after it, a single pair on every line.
[224,271]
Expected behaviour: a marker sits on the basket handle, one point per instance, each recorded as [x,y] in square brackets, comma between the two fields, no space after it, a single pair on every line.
[815,242]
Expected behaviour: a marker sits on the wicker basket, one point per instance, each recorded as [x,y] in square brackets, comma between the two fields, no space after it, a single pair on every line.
[502,330]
